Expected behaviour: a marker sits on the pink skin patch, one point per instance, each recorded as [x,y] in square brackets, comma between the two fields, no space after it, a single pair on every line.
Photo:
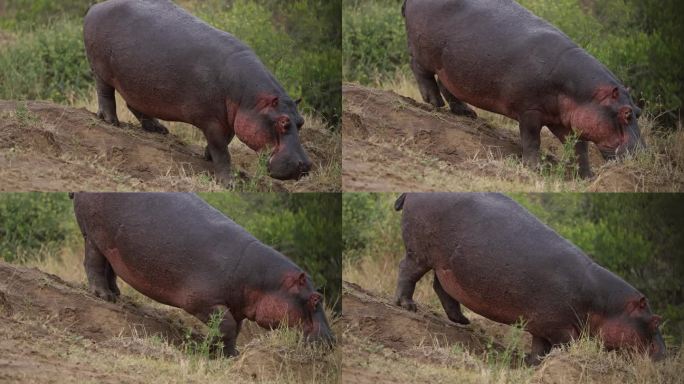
[270,310]
[589,121]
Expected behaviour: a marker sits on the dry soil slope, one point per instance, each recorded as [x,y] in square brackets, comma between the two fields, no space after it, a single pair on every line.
[393,143]
[383,343]
[55,331]
[50,147]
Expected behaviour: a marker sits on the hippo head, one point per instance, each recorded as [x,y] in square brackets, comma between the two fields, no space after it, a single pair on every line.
[610,121]
[296,303]
[275,123]
[634,327]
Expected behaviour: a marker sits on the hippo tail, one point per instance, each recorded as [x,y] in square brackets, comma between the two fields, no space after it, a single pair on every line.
[403,9]
[399,204]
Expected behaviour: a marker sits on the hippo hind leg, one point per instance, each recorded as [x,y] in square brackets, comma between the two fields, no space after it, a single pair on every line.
[456,106]
[427,85]
[106,101]
[100,273]
[150,124]
[410,271]
[451,306]
[217,152]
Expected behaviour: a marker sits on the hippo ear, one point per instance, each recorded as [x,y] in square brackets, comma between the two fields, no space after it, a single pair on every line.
[301,280]
[298,101]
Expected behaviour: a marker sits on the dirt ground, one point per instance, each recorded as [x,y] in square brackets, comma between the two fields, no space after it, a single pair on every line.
[383,343]
[395,143]
[50,147]
[52,331]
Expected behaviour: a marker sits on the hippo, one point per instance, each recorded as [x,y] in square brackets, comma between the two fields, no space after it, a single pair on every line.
[493,256]
[178,250]
[186,70]
[498,56]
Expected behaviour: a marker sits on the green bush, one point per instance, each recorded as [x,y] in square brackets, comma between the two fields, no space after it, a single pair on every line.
[32,222]
[48,64]
[299,43]
[373,40]
[370,226]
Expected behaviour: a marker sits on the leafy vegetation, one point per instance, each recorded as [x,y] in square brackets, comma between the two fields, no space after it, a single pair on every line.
[640,41]
[636,236]
[305,227]
[299,43]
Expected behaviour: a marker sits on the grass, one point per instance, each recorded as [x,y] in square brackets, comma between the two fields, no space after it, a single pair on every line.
[277,356]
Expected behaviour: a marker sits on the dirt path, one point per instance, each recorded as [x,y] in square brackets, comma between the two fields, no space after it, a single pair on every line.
[49,147]
[394,143]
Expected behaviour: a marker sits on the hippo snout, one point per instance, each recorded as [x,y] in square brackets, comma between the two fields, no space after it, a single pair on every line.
[657,350]
[284,168]
[324,338]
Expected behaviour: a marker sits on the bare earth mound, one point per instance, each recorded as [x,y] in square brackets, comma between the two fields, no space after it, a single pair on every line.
[383,343]
[394,143]
[49,147]
[55,331]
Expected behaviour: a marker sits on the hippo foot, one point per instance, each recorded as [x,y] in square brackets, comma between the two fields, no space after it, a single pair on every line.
[207,154]
[407,304]
[532,360]
[459,319]
[154,126]
[463,111]
[104,294]
[226,180]
[108,119]
[586,174]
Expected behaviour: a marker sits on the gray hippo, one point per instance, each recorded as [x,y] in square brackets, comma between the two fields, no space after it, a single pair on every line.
[178,250]
[168,64]
[496,55]
[490,254]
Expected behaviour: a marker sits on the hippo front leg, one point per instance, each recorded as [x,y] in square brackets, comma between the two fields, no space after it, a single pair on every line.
[228,327]
[410,271]
[217,152]
[540,348]
[451,306]
[582,153]
[530,137]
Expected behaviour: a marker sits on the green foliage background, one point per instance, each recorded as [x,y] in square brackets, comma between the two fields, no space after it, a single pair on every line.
[298,40]
[304,227]
[637,236]
[641,41]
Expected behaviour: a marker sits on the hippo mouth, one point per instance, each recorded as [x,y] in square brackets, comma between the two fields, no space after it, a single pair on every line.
[288,171]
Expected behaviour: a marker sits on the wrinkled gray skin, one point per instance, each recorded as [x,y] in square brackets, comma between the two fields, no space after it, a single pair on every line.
[170,65]
[496,55]
[178,250]
[491,255]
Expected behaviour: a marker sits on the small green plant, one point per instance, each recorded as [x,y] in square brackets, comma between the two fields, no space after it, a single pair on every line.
[211,345]
[566,166]
[25,117]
